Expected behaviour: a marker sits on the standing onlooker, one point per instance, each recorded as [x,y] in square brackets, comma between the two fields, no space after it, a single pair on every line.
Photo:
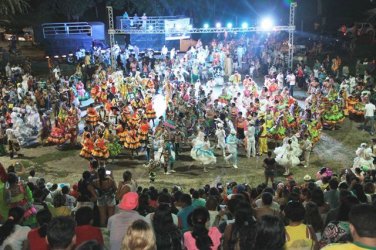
[106,188]
[291,80]
[369,116]
[139,236]
[269,166]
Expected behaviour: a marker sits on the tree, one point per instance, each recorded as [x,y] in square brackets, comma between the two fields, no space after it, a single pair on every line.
[11,7]
[71,9]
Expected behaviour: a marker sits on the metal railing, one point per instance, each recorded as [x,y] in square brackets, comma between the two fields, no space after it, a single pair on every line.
[76,28]
[150,23]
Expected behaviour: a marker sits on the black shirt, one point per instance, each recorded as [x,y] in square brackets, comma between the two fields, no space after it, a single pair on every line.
[269,163]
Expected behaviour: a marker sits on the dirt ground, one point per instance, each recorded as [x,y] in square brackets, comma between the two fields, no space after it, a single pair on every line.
[336,150]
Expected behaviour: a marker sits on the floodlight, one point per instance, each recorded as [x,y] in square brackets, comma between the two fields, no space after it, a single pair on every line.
[151,27]
[267,23]
[244,25]
[218,25]
[178,26]
[206,26]
[229,25]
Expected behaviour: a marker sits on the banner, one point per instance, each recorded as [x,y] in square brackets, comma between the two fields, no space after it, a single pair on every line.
[177,29]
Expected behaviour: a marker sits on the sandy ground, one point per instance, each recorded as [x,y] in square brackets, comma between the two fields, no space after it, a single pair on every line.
[336,150]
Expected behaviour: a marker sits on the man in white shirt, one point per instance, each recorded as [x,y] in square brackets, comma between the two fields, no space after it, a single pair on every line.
[280,80]
[369,115]
[291,79]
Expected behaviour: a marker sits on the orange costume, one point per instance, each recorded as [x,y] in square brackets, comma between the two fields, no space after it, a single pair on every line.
[87,148]
[143,130]
[95,92]
[121,133]
[100,149]
[92,116]
[150,112]
[132,140]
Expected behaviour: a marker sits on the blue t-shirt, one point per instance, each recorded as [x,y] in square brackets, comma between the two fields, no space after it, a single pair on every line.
[183,216]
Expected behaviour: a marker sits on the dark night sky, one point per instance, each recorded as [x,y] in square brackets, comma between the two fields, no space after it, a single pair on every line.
[338,11]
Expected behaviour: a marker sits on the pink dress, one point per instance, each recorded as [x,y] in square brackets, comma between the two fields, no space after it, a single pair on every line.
[214,234]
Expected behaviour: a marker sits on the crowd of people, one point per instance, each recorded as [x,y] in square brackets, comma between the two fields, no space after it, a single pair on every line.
[97,213]
[211,97]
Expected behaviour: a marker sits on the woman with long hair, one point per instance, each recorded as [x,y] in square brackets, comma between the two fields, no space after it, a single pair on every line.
[358,191]
[18,194]
[241,234]
[167,233]
[37,237]
[105,187]
[312,217]
[12,234]
[201,238]
[270,233]
[139,236]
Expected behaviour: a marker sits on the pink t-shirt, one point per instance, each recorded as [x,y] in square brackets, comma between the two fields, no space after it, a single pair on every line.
[214,234]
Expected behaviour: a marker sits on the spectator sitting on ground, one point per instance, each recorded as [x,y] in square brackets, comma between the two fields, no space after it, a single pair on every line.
[187,208]
[270,233]
[12,234]
[363,229]
[139,236]
[119,222]
[265,209]
[58,207]
[70,201]
[61,233]
[32,178]
[37,237]
[84,230]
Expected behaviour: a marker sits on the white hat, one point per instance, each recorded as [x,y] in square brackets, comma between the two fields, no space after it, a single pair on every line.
[233,131]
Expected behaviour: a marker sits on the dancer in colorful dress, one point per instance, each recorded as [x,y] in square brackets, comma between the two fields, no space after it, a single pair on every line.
[132,141]
[92,116]
[286,156]
[100,151]
[87,147]
[202,152]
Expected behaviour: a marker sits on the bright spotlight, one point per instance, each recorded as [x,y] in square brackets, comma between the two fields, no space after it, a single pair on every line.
[178,26]
[229,25]
[151,27]
[218,25]
[206,26]
[267,24]
[244,25]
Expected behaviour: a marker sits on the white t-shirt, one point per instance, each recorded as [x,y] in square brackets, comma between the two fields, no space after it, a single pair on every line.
[291,79]
[17,238]
[149,218]
[369,109]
